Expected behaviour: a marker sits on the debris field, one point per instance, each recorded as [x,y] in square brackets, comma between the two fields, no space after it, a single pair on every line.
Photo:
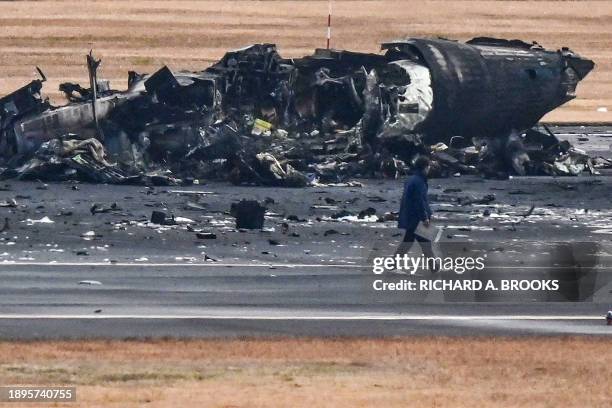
[82,222]
[256,118]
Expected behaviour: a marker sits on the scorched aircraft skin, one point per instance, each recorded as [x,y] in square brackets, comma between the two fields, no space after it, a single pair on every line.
[255,117]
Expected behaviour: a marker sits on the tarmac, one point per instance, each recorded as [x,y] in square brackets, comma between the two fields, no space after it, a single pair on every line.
[140,301]
[305,274]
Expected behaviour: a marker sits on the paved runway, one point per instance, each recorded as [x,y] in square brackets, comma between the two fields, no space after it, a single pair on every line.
[209,300]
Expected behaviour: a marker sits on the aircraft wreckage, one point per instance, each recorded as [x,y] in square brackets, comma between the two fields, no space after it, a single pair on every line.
[257,118]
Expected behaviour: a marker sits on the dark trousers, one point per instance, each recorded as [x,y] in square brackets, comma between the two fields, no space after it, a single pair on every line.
[409,238]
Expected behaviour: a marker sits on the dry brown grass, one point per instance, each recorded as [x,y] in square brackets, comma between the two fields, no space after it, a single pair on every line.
[419,372]
[143,35]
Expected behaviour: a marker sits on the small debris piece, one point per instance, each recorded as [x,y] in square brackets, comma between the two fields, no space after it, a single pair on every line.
[295,218]
[529,212]
[341,214]
[206,235]
[90,282]
[249,214]
[158,217]
[484,200]
[368,212]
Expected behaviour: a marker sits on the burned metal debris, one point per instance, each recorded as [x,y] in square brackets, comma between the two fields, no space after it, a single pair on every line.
[257,118]
[249,214]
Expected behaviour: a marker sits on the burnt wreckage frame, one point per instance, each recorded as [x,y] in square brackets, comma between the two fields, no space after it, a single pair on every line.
[257,118]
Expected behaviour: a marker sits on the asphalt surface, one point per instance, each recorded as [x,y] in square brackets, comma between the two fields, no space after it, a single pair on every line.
[308,275]
[212,301]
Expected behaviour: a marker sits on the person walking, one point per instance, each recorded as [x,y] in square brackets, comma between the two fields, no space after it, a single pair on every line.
[414,208]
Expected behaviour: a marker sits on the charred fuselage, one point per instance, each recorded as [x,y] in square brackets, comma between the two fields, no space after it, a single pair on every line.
[488,87]
[366,109]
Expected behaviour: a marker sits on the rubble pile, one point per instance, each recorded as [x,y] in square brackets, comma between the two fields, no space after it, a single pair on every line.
[257,118]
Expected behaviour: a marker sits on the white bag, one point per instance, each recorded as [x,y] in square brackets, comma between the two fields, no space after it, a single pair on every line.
[430,233]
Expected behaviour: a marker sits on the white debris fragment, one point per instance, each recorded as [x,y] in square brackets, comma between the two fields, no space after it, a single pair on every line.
[185,258]
[43,220]
[602,109]
[88,235]
[355,218]
[192,192]
[183,220]
[141,259]
[90,282]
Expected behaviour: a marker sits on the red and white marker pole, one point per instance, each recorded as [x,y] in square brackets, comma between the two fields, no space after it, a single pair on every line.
[329,14]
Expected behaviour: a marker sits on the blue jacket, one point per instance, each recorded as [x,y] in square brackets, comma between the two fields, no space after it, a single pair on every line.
[415,205]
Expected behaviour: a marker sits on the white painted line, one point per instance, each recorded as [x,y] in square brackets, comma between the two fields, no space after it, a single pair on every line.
[312,317]
[194,192]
